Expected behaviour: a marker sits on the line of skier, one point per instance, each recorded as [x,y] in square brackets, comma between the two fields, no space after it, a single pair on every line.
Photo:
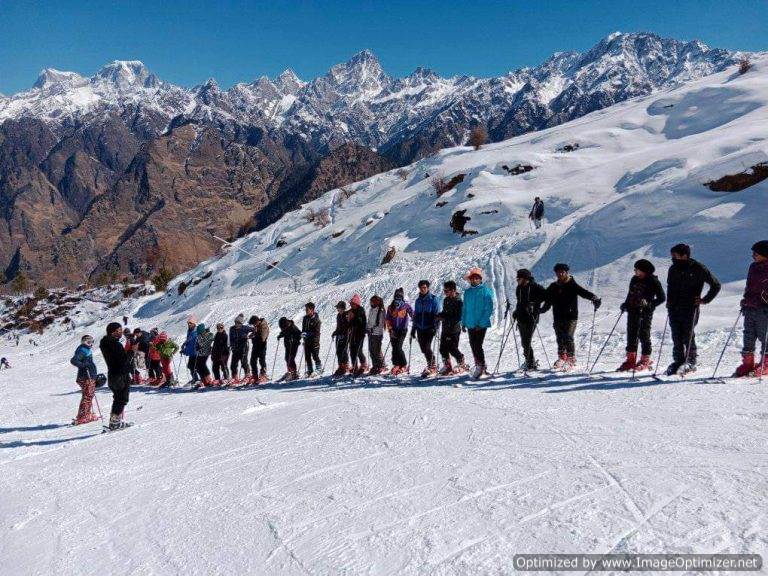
[437,329]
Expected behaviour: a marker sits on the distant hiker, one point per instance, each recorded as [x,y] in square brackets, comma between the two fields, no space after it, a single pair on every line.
[86,379]
[685,282]
[118,374]
[398,313]
[450,330]
[310,332]
[341,337]
[530,297]
[167,347]
[238,343]
[458,220]
[259,335]
[476,317]
[377,323]
[220,355]
[563,297]
[203,348]
[644,295]
[291,337]
[155,367]
[537,212]
[4,363]
[357,327]
[754,306]
[125,320]
[188,349]
[425,311]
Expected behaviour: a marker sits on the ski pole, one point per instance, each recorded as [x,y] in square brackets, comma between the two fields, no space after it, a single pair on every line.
[606,342]
[591,337]
[764,350]
[410,346]
[514,339]
[661,346]
[301,358]
[272,376]
[96,398]
[328,354]
[504,340]
[543,347]
[692,335]
[727,341]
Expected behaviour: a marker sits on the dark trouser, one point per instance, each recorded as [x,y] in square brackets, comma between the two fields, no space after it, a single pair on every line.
[476,338]
[755,325]
[449,346]
[564,331]
[290,355]
[398,356]
[202,367]
[681,327]
[219,362]
[527,329]
[120,384]
[191,366]
[258,357]
[342,349]
[239,358]
[425,338]
[356,350]
[374,350]
[312,353]
[155,370]
[639,328]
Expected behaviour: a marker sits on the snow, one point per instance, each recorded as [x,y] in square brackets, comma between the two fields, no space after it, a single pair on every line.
[408,476]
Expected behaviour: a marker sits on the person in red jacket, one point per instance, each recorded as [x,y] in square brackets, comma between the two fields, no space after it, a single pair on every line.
[155,367]
[754,306]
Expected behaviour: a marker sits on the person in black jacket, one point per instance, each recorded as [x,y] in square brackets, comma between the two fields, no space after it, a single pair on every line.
[450,330]
[118,374]
[259,335]
[291,337]
[310,332]
[685,282]
[563,297]
[644,295]
[220,354]
[341,337]
[238,343]
[537,212]
[530,297]
[358,325]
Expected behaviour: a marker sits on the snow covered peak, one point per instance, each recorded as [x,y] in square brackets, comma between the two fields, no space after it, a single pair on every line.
[126,74]
[288,82]
[50,77]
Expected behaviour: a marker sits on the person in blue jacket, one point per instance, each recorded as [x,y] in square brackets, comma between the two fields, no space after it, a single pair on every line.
[189,349]
[476,317]
[86,379]
[425,311]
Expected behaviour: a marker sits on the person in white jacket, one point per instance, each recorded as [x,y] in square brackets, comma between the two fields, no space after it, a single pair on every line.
[375,327]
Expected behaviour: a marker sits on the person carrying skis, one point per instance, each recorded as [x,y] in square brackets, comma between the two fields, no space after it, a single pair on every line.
[398,314]
[476,317]
[377,322]
[203,348]
[537,212]
[86,379]
[357,328]
[341,338]
[754,306]
[425,311]
[530,296]
[166,347]
[563,297]
[118,374]
[259,334]
[155,367]
[188,349]
[220,355]
[685,282]
[644,295]
[450,331]
[310,332]
[291,336]
[238,342]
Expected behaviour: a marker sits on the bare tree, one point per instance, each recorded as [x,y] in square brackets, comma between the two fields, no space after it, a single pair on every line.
[477,137]
[744,65]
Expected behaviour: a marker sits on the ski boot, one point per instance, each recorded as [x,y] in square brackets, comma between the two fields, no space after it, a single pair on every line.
[562,359]
[374,371]
[673,368]
[395,370]
[570,363]
[318,369]
[359,370]
[645,363]
[686,368]
[308,374]
[527,365]
[85,419]
[447,367]
[762,368]
[292,375]
[747,366]
[430,371]
[479,372]
[116,422]
[342,370]
[629,363]
[461,368]
[263,378]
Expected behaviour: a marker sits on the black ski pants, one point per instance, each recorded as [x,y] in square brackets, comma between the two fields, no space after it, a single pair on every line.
[682,325]
[120,384]
[239,359]
[342,350]
[202,367]
[476,339]
[219,363]
[397,339]
[526,328]
[192,367]
[312,353]
[356,353]
[374,350]
[449,346]
[564,332]
[258,357]
[290,354]
[425,338]
[639,323]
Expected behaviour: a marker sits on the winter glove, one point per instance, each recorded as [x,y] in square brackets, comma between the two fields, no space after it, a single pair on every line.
[303,334]
[596,303]
[623,307]
[514,315]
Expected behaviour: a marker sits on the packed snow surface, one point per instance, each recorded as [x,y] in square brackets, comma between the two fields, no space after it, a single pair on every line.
[411,476]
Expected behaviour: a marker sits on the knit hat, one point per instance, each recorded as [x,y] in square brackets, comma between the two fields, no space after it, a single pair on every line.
[112,326]
[192,320]
[240,318]
[162,337]
[253,320]
[681,249]
[283,323]
[341,305]
[356,300]
[201,328]
[761,248]
[525,274]
[474,271]
[399,294]
[645,266]
[561,267]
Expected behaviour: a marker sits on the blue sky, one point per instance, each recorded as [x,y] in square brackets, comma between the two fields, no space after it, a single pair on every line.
[232,41]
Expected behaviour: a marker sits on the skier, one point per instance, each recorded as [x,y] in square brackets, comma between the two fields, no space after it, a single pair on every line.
[4,362]
[537,212]
[644,295]
[450,331]
[86,379]
[291,336]
[377,321]
[118,374]
[166,347]
[310,333]
[259,334]
[425,311]
[203,347]
[398,313]
[140,347]
[754,306]
[476,317]
[188,349]
[563,298]
[685,281]
[530,296]
[341,337]
[220,355]
[155,368]
[238,342]
[357,328]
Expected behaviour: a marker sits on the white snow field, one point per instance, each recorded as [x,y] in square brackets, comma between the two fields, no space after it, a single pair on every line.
[411,476]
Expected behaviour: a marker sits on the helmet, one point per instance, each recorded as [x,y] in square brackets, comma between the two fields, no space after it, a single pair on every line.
[100,380]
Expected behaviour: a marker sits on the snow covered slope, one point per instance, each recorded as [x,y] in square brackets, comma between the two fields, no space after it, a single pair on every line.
[416,477]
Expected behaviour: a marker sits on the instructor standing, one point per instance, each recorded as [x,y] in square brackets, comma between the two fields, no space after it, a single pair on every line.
[118,373]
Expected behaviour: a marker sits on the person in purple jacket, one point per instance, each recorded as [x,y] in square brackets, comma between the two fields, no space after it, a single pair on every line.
[754,306]
[399,313]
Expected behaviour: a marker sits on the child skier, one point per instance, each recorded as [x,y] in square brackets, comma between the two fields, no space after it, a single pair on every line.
[291,337]
[398,314]
[377,320]
[476,317]
[166,347]
[644,295]
[450,332]
[341,338]
[357,327]
[259,334]
[754,306]
[310,332]
[220,355]
[425,311]
[86,379]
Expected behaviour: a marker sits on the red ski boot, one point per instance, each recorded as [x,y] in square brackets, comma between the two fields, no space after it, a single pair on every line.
[747,365]
[762,368]
[629,363]
[645,363]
